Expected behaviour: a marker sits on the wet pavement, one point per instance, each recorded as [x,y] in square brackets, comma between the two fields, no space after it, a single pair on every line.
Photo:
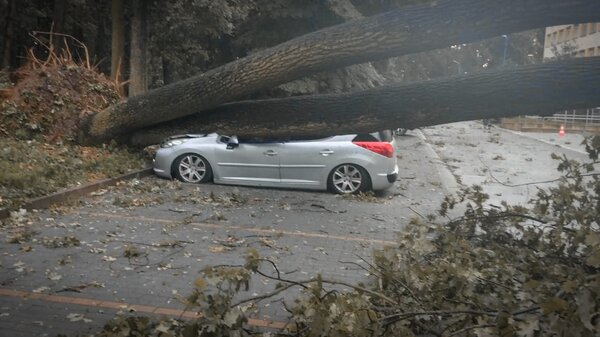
[138,247]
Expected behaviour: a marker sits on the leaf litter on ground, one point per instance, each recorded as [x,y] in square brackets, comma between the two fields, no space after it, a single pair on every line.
[40,116]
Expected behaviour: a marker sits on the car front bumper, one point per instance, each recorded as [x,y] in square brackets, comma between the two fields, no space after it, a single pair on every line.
[162,162]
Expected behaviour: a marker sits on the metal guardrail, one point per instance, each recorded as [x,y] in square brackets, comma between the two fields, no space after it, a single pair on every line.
[587,117]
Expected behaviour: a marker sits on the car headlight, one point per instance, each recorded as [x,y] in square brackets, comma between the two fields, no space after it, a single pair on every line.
[173,142]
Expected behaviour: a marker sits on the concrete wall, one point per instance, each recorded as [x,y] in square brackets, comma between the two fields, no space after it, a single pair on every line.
[581,40]
[525,124]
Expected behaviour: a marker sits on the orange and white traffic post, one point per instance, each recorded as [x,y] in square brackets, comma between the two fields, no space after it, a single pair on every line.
[561,132]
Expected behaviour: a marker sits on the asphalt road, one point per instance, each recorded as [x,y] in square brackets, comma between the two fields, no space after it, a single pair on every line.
[179,229]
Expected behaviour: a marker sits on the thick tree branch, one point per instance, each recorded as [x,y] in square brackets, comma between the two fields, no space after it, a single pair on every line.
[400,32]
[344,9]
[536,90]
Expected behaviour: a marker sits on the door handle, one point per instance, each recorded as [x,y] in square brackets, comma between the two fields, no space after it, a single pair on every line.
[270,153]
[326,152]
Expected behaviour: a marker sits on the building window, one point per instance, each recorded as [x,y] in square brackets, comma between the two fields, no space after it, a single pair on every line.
[583,30]
[597,51]
[568,33]
[575,31]
[561,35]
[592,28]
[589,52]
[548,41]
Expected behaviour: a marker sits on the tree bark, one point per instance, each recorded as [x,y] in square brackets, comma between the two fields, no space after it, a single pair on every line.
[344,9]
[138,56]
[58,22]
[406,31]
[118,40]
[9,35]
[536,90]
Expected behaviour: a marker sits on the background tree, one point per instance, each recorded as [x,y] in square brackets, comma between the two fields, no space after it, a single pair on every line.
[138,57]
[10,13]
[58,22]
[118,40]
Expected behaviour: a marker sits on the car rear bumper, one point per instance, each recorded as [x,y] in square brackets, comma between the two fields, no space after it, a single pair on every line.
[384,181]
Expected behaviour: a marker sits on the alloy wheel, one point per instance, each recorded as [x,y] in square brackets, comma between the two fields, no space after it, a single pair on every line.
[192,168]
[347,179]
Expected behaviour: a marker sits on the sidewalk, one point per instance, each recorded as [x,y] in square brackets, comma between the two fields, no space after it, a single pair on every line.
[509,165]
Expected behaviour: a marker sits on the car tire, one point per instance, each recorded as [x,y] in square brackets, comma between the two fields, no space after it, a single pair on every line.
[348,179]
[192,168]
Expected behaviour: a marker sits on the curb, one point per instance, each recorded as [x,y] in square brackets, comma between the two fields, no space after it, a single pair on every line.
[74,193]
[449,181]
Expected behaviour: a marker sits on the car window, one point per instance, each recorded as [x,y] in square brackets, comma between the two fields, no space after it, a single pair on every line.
[365,137]
[259,140]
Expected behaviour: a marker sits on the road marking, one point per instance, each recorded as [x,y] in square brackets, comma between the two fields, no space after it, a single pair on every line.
[243,228]
[90,302]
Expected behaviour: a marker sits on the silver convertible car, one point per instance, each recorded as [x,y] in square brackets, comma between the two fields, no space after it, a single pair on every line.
[341,164]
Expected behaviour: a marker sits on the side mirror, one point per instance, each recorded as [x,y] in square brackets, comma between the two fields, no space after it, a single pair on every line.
[232,143]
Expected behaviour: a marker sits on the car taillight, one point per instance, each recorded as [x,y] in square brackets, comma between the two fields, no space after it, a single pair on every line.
[383,148]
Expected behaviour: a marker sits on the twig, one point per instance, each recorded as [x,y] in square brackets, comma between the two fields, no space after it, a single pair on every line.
[361,289]
[404,315]
[482,326]
[300,284]
[525,311]
[402,284]
[274,266]
[497,216]
[52,56]
[172,244]
[356,264]
[328,293]
[265,296]
[493,282]
[417,213]
[428,329]
[327,209]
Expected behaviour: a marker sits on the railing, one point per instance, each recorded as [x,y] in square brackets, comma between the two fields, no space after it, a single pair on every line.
[587,117]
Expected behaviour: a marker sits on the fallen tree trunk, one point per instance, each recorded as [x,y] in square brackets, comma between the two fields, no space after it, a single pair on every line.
[537,90]
[406,31]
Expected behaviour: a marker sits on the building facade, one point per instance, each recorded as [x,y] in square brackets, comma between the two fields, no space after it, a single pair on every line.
[566,41]
[581,40]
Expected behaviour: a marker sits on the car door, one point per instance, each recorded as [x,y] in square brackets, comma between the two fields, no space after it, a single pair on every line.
[255,164]
[304,163]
